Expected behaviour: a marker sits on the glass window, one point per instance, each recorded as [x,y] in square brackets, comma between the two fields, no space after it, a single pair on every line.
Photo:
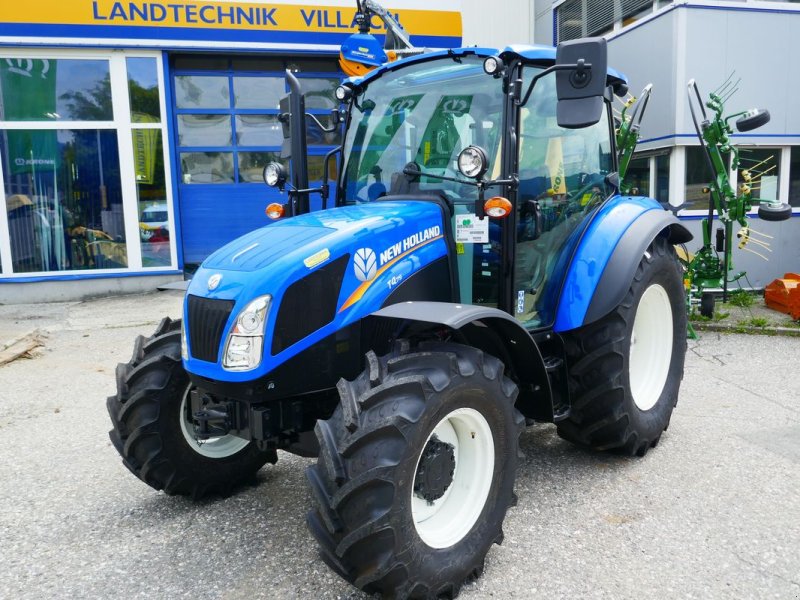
[151,192]
[638,176]
[257,63]
[794,177]
[258,130]
[760,167]
[662,178]
[202,62]
[319,92]
[143,90]
[204,130]
[207,167]
[258,92]
[698,177]
[46,89]
[202,91]
[63,199]
[251,165]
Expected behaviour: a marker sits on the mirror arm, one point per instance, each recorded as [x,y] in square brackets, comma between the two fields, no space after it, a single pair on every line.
[330,129]
[325,190]
[547,71]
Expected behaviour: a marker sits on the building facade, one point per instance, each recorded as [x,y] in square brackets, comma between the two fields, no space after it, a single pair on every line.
[749,44]
[133,134]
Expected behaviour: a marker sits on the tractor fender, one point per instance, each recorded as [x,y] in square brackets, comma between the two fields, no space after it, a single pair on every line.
[490,329]
[606,259]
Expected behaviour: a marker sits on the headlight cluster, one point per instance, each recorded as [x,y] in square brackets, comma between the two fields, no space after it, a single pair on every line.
[245,344]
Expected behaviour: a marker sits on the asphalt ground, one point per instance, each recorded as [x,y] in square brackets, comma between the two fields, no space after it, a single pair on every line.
[712,512]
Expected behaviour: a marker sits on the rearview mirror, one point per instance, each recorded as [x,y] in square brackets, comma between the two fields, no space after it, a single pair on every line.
[581,89]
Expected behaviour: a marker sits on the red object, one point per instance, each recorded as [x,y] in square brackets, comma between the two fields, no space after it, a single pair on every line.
[784,295]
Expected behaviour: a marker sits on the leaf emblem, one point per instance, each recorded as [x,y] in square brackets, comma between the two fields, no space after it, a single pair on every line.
[365,264]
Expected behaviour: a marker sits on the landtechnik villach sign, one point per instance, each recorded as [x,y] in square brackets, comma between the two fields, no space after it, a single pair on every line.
[222,23]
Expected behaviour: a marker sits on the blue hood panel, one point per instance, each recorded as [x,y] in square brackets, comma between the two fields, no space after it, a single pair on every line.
[386,242]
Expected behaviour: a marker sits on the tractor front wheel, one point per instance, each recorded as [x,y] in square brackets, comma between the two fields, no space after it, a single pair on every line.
[153,431]
[416,471]
[626,369]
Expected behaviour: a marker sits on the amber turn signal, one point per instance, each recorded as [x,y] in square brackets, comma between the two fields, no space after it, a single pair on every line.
[275,210]
[497,207]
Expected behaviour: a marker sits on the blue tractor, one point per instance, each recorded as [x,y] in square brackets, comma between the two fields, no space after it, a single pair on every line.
[477,271]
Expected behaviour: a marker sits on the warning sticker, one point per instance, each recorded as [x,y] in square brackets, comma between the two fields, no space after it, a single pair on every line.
[472,230]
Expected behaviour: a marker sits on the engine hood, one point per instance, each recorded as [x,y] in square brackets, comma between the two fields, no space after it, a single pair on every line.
[370,247]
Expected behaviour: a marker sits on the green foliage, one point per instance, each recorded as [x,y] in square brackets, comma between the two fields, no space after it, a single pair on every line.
[741,298]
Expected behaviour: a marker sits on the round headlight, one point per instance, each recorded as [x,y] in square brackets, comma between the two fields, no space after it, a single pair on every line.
[274,174]
[472,162]
[342,93]
[492,65]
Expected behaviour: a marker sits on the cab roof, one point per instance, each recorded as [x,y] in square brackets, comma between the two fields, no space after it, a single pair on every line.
[545,55]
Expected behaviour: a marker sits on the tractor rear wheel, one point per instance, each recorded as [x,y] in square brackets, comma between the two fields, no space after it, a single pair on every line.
[152,428]
[416,471]
[625,369]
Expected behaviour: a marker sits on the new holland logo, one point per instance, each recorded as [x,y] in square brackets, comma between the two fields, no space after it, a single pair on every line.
[365,264]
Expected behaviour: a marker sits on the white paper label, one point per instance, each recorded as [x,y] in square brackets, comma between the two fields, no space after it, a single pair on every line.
[472,230]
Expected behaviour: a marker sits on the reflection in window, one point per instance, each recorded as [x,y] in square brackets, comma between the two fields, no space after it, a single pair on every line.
[258,130]
[202,91]
[151,192]
[794,177]
[258,92]
[762,166]
[251,165]
[698,177]
[319,92]
[46,89]
[638,176]
[63,199]
[204,130]
[207,167]
[143,90]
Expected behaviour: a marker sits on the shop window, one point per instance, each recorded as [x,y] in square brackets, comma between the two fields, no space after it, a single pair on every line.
[143,90]
[794,177]
[47,89]
[204,130]
[258,130]
[63,199]
[201,91]
[319,92]
[762,166]
[697,178]
[207,167]
[151,193]
[258,92]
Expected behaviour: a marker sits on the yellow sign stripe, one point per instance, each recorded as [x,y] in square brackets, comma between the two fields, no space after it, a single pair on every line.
[220,15]
[362,289]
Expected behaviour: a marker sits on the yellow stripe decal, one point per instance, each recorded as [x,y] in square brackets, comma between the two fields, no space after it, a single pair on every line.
[362,289]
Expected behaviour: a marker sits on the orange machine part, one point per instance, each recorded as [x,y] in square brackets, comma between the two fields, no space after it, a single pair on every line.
[784,295]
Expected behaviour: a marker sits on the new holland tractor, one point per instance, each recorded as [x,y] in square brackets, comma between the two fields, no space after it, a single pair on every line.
[474,270]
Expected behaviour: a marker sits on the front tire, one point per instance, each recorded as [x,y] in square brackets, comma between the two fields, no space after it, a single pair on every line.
[416,471]
[625,369]
[152,429]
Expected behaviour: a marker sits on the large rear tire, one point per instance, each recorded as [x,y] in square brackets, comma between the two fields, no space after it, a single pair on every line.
[416,471]
[152,429]
[626,369]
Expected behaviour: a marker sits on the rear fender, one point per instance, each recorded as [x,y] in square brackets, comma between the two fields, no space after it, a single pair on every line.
[495,332]
[606,259]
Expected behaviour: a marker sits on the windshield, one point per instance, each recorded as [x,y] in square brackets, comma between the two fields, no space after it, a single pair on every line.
[425,113]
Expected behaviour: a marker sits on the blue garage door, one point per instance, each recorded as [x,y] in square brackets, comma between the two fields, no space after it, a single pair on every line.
[227,129]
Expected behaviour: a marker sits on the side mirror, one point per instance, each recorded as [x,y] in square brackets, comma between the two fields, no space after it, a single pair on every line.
[284,117]
[581,89]
[752,120]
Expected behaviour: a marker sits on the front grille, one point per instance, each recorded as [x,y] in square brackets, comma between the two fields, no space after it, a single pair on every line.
[206,319]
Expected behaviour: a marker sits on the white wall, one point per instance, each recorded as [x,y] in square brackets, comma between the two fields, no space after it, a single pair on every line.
[497,24]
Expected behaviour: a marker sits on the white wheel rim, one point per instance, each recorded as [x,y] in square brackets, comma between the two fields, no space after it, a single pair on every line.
[651,347]
[219,447]
[449,519]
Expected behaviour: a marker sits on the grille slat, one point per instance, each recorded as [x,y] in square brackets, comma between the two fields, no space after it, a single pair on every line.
[207,319]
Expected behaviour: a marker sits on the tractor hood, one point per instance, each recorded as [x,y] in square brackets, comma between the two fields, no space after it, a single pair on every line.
[332,267]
